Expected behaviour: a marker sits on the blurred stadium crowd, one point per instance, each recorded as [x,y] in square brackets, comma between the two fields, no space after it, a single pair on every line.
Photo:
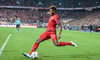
[79,18]
[47,3]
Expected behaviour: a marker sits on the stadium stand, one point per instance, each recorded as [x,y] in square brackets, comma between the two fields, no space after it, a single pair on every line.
[47,3]
[39,16]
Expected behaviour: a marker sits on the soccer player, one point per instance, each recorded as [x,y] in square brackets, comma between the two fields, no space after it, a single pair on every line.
[50,32]
[18,22]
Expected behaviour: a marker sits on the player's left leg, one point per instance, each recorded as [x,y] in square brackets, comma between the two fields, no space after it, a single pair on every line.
[17,27]
[56,43]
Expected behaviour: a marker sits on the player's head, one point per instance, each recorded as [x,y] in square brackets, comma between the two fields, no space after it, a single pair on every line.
[52,9]
[18,18]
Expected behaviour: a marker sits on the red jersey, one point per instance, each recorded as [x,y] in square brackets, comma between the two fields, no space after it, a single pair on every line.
[53,21]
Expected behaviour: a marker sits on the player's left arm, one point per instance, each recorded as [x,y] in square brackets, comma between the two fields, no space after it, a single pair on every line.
[57,19]
[60,30]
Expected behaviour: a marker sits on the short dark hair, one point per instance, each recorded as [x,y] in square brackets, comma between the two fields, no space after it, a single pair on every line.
[53,7]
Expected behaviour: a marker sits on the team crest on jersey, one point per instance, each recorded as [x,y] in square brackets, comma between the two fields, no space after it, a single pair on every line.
[52,17]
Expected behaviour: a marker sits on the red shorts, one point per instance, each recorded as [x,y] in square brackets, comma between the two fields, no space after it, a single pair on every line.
[47,35]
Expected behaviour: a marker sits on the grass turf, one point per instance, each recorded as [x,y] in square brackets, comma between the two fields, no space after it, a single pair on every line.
[22,41]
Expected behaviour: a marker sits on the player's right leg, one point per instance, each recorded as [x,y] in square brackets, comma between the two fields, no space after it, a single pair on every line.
[35,46]
[42,38]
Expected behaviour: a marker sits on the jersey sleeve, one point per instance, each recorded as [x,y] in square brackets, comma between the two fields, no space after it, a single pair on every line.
[57,19]
[16,21]
[20,21]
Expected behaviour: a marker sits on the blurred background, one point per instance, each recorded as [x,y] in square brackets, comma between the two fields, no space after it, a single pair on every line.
[81,15]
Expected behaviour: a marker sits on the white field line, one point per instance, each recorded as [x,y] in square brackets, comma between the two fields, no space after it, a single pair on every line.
[3,46]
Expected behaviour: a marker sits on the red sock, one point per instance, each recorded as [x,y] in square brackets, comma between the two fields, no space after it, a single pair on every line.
[64,43]
[35,46]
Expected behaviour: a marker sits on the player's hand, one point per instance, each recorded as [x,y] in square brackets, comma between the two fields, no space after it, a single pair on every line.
[59,36]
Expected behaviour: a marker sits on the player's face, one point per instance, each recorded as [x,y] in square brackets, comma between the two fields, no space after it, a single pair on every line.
[52,12]
[18,18]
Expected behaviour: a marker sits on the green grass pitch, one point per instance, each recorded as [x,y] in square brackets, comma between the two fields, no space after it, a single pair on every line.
[22,41]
